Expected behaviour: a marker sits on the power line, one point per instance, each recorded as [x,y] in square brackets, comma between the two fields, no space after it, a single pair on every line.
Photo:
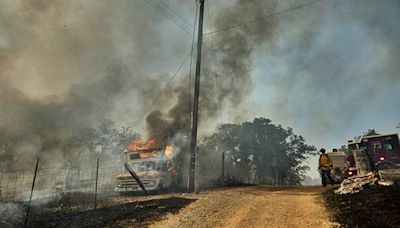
[176,13]
[172,78]
[263,18]
[169,16]
[177,71]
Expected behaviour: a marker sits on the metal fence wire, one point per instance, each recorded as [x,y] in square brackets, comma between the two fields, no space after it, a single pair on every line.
[15,186]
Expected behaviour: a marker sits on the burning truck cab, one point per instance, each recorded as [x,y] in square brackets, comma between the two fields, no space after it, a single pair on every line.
[153,166]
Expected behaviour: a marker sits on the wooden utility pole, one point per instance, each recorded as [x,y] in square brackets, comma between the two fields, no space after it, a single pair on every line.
[193,144]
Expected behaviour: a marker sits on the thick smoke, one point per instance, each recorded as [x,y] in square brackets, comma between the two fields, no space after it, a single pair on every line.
[225,79]
[226,72]
[65,65]
[48,126]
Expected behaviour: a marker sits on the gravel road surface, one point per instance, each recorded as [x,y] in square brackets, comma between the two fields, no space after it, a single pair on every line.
[255,206]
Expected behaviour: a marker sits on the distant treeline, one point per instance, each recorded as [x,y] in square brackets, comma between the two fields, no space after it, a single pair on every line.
[255,152]
[19,149]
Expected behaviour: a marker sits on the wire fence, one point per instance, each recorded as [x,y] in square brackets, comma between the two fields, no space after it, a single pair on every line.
[15,186]
[61,194]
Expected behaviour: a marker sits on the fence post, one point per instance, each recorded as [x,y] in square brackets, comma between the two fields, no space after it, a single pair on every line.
[30,198]
[1,185]
[97,177]
[196,173]
[223,166]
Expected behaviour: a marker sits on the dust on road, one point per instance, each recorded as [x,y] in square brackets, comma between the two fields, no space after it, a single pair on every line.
[257,206]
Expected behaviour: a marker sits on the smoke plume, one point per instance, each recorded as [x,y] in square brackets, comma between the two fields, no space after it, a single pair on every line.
[226,72]
[65,65]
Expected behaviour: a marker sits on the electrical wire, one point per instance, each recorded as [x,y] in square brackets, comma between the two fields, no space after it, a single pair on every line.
[177,71]
[165,8]
[173,18]
[172,78]
[170,17]
[263,18]
[177,14]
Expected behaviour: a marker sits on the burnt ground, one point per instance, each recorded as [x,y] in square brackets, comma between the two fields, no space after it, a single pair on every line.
[377,206]
[77,210]
[139,214]
[246,206]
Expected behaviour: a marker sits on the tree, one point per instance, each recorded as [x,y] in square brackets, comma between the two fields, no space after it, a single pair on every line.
[370,132]
[106,139]
[223,140]
[261,151]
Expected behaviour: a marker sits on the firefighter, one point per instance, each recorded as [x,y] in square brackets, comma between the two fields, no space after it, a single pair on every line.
[324,167]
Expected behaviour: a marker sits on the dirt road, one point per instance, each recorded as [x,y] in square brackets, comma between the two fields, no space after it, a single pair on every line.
[257,206]
[253,206]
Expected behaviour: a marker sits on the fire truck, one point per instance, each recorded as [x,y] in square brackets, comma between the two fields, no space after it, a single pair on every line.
[338,158]
[152,166]
[383,152]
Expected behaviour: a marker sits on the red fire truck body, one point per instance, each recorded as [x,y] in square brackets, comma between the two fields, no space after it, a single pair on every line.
[383,151]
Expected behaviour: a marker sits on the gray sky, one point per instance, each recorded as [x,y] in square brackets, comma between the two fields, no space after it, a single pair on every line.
[333,74]
[329,70]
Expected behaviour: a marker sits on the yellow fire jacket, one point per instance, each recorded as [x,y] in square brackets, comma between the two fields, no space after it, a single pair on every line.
[325,162]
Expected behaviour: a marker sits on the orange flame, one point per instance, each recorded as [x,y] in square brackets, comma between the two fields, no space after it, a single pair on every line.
[146,155]
[169,151]
[143,155]
[138,144]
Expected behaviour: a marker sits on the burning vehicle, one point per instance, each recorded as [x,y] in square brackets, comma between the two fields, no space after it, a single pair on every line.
[152,164]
